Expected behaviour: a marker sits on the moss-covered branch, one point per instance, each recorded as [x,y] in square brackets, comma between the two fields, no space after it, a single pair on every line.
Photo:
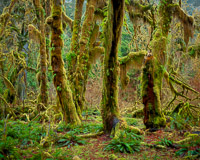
[132,60]
[4,18]
[140,11]
[9,85]
[34,33]
[67,20]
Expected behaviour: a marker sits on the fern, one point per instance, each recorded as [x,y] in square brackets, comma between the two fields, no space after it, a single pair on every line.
[125,143]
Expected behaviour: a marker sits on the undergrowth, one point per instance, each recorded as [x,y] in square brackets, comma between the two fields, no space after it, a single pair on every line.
[125,143]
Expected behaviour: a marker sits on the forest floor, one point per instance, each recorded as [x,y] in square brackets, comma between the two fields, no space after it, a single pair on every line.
[50,141]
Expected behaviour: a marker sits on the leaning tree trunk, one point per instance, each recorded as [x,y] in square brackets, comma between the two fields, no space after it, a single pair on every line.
[60,80]
[110,108]
[153,70]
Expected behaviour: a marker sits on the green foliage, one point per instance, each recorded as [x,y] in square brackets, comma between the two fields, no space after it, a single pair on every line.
[59,88]
[31,79]
[70,56]
[132,121]
[81,129]
[8,149]
[179,122]
[27,134]
[191,148]
[2,87]
[70,140]
[165,142]
[91,112]
[125,143]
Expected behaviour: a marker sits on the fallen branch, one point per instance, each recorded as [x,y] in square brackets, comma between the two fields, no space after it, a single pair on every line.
[91,135]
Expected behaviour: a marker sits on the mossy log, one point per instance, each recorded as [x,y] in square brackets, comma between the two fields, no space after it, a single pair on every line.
[60,79]
[153,145]
[109,103]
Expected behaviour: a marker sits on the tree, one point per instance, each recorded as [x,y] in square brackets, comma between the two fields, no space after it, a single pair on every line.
[154,64]
[110,108]
[40,35]
[61,82]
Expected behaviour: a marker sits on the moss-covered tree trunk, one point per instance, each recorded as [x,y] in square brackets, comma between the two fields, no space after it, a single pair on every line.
[42,75]
[153,70]
[110,108]
[60,80]
[82,67]
[75,39]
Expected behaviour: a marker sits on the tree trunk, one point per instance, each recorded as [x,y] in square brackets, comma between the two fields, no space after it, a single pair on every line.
[110,108]
[75,39]
[83,57]
[153,70]
[60,80]
[43,96]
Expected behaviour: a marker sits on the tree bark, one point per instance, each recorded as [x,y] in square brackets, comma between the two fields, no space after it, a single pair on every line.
[110,108]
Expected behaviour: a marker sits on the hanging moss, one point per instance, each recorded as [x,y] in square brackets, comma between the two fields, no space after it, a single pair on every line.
[132,60]
[139,11]
[194,50]
[186,20]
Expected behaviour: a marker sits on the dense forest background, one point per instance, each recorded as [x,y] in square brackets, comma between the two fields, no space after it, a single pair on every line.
[75,69]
